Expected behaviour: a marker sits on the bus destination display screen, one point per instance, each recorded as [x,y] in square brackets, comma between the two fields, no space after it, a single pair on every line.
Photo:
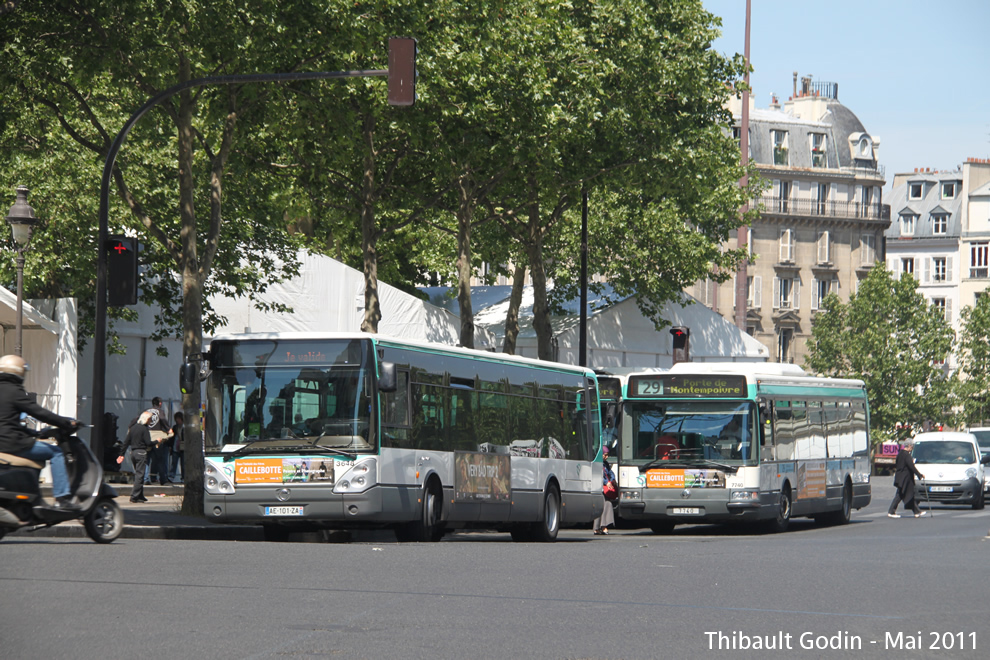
[610,388]
[721,386]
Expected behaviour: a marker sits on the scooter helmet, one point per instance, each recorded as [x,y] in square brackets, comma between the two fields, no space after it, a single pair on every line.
[14,365]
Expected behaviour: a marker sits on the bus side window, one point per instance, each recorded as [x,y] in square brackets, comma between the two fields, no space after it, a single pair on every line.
[766,432]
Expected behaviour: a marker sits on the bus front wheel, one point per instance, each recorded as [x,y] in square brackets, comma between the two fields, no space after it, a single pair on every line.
[780,521]
[429,528]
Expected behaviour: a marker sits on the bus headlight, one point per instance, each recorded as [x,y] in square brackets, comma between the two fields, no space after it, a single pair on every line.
[631,494]
[747,496]
[216,482]
[359,478]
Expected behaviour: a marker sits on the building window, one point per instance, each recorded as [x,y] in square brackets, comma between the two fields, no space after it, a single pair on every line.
[818,158]
[949,190]
[907,224]
[821,205]
[822,288]
[907,266]
[979,260]
[783,196]
[824,248]
[786,246]
[737,135]
[785,338]
[779,139]
[944,305]
[940,269]
[754,292]
[940,224]
[786,293]
[867,249]
[915,190]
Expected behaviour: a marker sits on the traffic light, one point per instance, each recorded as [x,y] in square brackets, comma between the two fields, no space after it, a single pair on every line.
[401,71]
[122,271]
[680,341]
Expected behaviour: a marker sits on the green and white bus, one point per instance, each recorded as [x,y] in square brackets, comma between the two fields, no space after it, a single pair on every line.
[726,442]
[347,430]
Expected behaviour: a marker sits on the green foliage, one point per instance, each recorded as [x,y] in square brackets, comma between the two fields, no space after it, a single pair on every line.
[973,387]
[888,336]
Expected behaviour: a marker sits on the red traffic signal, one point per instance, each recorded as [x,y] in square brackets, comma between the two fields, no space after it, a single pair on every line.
[680,344]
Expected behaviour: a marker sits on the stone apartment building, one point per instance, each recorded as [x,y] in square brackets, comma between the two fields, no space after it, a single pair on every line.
[940,234]
[822,221]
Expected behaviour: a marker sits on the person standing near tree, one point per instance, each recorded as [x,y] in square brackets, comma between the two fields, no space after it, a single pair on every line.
[177,462]
[139,440]
[159,428]
[904,474]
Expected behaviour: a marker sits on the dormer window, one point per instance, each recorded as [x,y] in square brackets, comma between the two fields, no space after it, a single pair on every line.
[940,224]
[907,224]
[779,139]
[949,190]
[865,150]
[916,190]
[818,158]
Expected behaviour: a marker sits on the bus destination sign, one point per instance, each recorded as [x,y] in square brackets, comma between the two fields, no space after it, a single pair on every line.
[609,388]
[665,385]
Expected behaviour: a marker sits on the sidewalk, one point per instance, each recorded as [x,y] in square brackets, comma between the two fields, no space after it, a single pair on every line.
[160,518]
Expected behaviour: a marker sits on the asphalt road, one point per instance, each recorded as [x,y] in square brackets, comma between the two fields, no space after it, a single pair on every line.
[876,588]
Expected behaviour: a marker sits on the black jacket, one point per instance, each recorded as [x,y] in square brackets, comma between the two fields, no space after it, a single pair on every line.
[14,400]
[138,438]
[904,469]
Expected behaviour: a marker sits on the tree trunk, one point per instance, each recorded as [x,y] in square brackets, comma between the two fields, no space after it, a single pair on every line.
[512,315]
[369,238]
[192,302]
[534,251]
[465,214]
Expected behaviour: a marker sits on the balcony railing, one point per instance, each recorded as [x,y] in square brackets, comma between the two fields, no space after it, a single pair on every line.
[829,209]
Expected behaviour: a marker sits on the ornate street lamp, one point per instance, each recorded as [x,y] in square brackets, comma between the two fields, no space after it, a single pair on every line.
[22,221]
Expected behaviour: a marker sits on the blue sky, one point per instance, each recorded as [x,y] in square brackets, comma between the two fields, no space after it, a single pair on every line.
[914,72]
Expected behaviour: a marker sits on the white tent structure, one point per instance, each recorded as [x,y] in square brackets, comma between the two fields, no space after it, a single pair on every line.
[619,336]
[329,296]
[326,296]
[49,347]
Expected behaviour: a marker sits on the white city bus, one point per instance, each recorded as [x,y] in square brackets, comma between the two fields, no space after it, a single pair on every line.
[349,430]
[726,442]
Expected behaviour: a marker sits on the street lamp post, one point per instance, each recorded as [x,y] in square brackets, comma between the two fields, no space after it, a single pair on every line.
[21,219]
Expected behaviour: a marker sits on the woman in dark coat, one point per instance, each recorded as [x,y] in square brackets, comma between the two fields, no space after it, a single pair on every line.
[904,474]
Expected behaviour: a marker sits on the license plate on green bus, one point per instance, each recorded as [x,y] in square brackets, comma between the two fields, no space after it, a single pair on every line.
[284,510]
[686,511]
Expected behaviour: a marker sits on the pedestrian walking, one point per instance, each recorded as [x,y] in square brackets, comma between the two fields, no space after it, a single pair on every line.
[904,474]
[139,441]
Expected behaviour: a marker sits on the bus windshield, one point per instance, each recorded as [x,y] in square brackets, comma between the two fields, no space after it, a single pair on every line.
[279,404]
[689,432]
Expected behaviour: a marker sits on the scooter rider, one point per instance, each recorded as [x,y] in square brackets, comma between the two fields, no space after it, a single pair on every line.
[14,438]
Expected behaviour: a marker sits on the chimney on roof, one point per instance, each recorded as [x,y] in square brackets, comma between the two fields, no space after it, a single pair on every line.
[795,84]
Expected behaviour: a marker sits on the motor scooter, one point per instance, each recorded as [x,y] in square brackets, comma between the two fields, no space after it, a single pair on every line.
[21,503]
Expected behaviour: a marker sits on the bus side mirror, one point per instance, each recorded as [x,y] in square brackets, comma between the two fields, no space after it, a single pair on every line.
[188,376]
[387,380]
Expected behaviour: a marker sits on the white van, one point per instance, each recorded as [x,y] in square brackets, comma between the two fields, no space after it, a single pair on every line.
[953,468]
[983,437]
